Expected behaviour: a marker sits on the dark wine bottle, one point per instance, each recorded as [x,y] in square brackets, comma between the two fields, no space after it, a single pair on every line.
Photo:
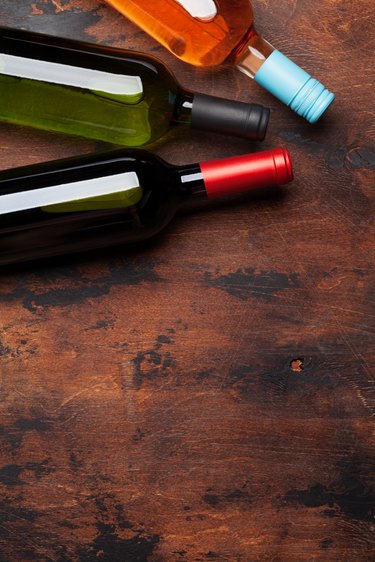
[118,197]
[107,94]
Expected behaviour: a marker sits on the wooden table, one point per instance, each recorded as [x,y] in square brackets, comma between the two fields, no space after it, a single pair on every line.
[210,397]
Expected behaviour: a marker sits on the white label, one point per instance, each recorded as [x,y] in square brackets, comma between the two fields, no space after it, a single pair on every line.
[68,192]
[200,9]
[67,75]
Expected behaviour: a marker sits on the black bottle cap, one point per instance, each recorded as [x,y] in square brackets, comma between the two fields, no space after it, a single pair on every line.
[246,120]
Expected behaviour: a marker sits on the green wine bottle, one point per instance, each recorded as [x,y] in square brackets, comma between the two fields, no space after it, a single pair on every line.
[107,94]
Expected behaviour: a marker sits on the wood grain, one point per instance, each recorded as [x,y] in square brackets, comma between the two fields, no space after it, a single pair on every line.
[210,396]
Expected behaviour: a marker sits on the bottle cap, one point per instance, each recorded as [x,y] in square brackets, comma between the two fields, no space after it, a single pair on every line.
[244,173]
[294,86]
[246,120]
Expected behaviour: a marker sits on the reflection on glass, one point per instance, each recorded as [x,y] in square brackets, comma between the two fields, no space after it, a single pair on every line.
[109,192]
[67,75]
[201,9]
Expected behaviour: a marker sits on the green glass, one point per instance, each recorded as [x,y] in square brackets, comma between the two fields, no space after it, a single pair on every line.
[70,110]
[87,90]
[107,94]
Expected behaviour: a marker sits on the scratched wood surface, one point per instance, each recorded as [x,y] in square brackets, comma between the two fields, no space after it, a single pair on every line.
[208,397]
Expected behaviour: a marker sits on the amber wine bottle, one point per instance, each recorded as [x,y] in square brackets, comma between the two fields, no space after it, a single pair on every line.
[107,94]
[119,197]
[212,32]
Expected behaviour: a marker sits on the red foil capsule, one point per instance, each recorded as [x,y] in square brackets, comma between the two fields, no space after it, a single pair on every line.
[244,173]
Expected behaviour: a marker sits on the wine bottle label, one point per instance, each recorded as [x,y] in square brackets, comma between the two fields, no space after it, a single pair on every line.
[67,75]
[108,192]
[200,9]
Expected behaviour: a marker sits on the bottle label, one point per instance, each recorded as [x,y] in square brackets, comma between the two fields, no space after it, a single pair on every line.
[200,9]
[108,192]
[68,75]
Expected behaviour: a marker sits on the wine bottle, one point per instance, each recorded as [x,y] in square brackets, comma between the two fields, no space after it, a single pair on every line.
[212,32]
[107,94]
[119,197]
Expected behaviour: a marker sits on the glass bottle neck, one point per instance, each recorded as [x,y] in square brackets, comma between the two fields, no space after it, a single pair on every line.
[251,53]
[238,174]
[219,115]
[278,74]
[183,108]
[189,182]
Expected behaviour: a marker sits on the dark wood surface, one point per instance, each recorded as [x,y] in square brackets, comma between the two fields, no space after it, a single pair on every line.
[210,397]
